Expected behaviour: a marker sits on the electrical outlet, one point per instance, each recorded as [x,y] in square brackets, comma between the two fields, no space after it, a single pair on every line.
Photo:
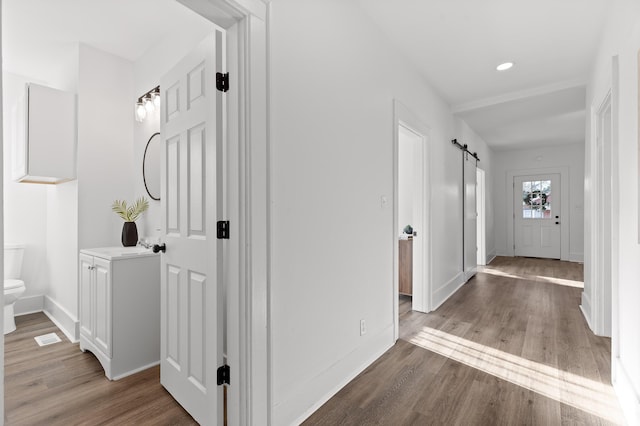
[363,327]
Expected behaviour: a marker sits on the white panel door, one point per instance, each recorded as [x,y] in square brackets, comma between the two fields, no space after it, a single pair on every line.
[470,217]
[537,216]
[192,132]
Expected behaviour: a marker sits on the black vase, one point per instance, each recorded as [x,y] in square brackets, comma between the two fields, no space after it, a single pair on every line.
[129,234]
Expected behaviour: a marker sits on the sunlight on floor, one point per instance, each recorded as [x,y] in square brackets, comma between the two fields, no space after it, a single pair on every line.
[568,388]
[560,281]
[538,278]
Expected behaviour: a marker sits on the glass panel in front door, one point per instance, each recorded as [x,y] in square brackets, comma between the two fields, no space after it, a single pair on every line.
[536,199]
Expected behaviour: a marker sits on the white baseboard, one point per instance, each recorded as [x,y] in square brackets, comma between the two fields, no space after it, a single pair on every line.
[585,307]
[470,273]
[576,257]
[63,319]
[446,291]
[490,257]
[310,396]
[136,370]
[29,305]
[626,391]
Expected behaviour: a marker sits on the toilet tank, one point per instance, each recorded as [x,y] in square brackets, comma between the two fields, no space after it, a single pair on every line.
[13,261]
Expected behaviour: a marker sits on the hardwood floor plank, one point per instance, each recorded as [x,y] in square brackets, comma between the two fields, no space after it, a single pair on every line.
[510,347]
[60,385]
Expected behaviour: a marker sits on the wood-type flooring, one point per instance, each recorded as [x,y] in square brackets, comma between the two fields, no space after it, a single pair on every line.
[511,347]
[60,385]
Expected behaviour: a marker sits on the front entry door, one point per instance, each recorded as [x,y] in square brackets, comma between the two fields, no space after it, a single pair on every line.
[191,129]
[537,215]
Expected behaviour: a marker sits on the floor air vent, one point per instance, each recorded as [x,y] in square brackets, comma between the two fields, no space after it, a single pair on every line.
[47,339]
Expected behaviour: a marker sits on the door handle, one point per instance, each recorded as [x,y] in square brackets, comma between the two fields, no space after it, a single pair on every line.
[557,223]
[159,247]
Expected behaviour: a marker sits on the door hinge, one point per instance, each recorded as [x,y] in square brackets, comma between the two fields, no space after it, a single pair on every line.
[222,81]
[223,229]
[224,375]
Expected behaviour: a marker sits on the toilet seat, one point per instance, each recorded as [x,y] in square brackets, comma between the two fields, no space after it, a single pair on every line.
[12,284]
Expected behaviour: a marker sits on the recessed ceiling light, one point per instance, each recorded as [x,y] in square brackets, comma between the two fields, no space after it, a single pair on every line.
[505,66]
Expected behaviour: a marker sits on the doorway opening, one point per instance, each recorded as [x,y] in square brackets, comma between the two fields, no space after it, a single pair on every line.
[410,214]
[411,224]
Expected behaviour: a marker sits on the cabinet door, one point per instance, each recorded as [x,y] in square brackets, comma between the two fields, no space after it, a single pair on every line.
[86,296]
[51,134]
[102,313]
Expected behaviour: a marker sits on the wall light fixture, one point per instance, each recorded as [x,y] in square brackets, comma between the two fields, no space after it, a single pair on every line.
[147,103]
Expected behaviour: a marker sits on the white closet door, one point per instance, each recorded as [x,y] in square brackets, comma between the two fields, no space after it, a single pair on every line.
[470,214]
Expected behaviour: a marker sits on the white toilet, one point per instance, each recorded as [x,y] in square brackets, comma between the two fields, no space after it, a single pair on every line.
[13,285]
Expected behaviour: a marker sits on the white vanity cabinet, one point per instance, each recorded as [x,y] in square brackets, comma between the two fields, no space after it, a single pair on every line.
[120,308]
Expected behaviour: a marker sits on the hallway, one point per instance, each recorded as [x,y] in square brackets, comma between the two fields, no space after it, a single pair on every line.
[510,347]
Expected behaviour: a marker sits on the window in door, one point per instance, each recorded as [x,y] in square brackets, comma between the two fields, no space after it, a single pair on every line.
[536,199]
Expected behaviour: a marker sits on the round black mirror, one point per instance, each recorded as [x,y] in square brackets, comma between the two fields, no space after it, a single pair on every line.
[151,167]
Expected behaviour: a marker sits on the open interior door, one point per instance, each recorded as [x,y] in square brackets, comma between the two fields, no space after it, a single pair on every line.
[192,136]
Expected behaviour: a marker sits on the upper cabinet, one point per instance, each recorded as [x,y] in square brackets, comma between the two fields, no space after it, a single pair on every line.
[44,136]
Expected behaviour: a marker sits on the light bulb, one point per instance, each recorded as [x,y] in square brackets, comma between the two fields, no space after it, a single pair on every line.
[141,112]
[156,99]
[148,104]
[505,66]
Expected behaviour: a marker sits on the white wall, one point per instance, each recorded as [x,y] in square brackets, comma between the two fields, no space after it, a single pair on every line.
[571,156]
[332,93]
[147,73]
[621,37]
[406,158]
[105,145]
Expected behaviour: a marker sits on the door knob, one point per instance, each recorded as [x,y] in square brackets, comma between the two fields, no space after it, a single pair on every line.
[159,247]
[557,223]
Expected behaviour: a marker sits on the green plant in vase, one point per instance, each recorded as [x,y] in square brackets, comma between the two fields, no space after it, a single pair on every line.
[130,214]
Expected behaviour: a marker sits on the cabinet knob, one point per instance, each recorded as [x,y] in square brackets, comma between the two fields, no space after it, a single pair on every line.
[159,247]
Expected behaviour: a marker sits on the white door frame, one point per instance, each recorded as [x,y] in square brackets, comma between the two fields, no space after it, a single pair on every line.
[601,304]
[1,233]
[615,228]
[601,247]
[481,230]
[421,300]
[565,214]
[249,354]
